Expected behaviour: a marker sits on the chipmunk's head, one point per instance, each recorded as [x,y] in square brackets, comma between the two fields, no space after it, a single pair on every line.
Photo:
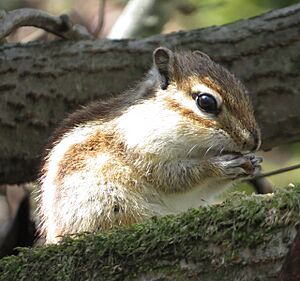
[216,110]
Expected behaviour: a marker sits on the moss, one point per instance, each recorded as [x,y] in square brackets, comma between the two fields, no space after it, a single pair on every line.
[160,243]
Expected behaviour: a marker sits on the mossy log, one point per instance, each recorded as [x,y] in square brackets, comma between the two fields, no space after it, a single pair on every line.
[41,82]
[246,238]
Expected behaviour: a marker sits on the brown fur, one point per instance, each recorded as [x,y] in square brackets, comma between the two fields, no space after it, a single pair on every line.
[74,158]
[102,111]
[190,66]
[190,69]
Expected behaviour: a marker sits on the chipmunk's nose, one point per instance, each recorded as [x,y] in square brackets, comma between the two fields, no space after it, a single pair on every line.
[252,143]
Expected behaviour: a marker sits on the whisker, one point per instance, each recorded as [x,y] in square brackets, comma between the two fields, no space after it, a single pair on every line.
[221,150]
[207,150]
[190,151]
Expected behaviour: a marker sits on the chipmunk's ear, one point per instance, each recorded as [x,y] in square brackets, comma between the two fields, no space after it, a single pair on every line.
[163,60]
[201,54]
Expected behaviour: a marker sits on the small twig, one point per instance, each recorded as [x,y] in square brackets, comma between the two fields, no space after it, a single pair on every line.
[279,171]
[101,18]
[60,26]
[262,185]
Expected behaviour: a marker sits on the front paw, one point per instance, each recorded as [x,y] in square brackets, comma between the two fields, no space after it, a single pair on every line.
[236,166]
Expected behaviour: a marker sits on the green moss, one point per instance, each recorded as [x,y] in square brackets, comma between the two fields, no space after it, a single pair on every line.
[160,243]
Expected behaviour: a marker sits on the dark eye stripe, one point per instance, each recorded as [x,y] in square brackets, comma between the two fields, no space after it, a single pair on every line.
[190,114]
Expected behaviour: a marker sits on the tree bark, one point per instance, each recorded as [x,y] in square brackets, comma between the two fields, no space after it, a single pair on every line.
[41,83]
[246,239]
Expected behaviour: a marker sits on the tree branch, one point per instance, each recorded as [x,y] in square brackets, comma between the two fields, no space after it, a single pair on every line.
[246,238]
[101,15]
[41,83]
[60,26]
[141,19]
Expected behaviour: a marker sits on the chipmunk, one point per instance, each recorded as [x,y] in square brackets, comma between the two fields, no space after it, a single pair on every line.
[177,140]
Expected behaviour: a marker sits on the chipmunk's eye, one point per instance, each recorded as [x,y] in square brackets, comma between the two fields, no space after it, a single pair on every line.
[206,102]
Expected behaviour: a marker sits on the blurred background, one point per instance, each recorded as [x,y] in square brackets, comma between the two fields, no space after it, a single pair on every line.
[111,18]
[184,14]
